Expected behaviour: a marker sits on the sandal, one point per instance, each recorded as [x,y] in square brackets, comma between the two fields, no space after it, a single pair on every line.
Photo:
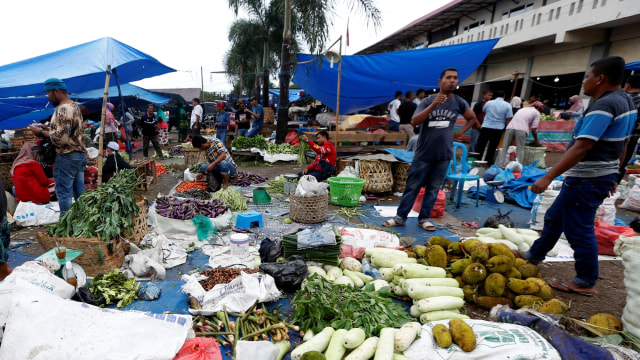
[519,254]
[391,223]
[571,287]
[427,225]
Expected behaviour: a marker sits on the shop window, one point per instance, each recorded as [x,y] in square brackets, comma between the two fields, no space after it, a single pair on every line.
[580,3]
[595,4]
[572,8]
[517,10]
[551,14]
[558,12]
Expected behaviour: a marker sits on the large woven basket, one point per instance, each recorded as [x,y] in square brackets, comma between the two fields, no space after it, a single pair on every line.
[343,163]
[378,175]
[308,210]
[400,171]
[5,175]
[113,252]
[139,222]
[194,156]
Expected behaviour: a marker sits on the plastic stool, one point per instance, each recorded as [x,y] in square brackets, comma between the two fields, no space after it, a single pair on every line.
[246,219]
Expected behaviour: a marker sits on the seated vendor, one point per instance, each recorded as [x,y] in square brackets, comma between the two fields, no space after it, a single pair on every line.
[114,162]
[29,179]
[220,167]
[324,165]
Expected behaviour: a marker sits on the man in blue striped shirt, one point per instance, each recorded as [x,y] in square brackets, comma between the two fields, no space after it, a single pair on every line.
[590,167]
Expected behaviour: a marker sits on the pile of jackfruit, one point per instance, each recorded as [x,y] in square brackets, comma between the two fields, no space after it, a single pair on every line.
[490,274]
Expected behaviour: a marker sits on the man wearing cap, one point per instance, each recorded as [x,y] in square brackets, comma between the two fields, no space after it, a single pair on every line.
[114,162]
[67,134]
[258,118]
[518,129]
[222,121]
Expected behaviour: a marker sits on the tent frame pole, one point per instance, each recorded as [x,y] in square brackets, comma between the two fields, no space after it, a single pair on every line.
[102,123]
[338,94]
[128,147]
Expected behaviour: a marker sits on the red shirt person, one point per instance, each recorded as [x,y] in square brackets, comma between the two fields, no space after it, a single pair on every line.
[324,165]
[29,178]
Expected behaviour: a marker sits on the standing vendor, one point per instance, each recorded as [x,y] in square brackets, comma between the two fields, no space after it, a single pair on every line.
[220,167]
[324,165]
[114,162]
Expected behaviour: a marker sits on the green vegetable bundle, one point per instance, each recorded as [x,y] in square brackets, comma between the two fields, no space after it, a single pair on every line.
[195,168]
[276,186]
[242,142]
[115,288]
[302,153]
[105,211]
[328,254]
[234,199]
[282,149]
[320,303]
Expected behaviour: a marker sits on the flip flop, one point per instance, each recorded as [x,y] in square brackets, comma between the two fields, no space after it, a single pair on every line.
[427,225]
[391,223]
[571,287]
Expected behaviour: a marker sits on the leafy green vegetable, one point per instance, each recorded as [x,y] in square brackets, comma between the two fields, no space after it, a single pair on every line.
[115,288]
[321,303]
[105,211]
[241,142]
[302,153]
[282,149]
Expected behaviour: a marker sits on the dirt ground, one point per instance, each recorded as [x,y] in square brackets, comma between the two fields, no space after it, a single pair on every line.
[610,291]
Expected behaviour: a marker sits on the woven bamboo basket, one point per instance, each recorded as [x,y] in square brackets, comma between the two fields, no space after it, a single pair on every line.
[139,222]
[194,156]
[5,174]
[400,171]
[343,163]
[113,252]
[17,142]
[308,210]
[378,175]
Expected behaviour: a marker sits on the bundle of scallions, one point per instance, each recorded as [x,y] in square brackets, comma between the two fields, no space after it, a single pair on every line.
[327,254]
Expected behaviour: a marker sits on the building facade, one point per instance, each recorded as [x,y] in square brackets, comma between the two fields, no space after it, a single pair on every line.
[545,46]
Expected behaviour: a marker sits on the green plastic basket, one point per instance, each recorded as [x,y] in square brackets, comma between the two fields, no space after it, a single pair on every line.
[345,191]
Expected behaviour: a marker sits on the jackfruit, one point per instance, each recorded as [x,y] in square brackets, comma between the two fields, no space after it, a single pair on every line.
[494,284]
[474,274]
[499,263]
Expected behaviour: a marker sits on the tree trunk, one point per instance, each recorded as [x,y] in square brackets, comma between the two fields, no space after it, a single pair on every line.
[284,76]
[256,92]
[265,87]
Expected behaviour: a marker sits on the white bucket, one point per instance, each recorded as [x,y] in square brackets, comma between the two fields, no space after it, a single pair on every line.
[239,244]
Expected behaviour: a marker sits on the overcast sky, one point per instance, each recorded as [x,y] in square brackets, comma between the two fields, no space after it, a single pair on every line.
[184,35]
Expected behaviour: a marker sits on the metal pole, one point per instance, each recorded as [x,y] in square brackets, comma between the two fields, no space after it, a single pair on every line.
[127,141]
[338,94]
[201,85]
[102,123]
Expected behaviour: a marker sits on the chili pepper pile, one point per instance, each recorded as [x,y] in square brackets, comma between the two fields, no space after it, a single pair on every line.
[222,275]
[188,185]
[245,179]
[186,209]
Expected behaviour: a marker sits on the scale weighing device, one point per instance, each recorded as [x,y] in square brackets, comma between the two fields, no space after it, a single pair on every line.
[494,195]
[71,254]
[289,184]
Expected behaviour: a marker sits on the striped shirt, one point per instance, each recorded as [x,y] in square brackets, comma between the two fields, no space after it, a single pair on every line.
[609,122]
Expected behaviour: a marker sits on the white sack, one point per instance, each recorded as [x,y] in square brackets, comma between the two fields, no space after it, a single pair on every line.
[629,249]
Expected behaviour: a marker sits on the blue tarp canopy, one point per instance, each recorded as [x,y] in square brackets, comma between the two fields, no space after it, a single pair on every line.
[82,67]
[132,94]
[369,80]
[294,95]
[633,65]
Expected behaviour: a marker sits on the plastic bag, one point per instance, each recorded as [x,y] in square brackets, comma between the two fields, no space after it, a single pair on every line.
[204,227]
[270,250]
[256,350]
[292,138]
[149,292]
[495,220]
[308,186]
[491,173]
[505,176]
[84,295]
[629,249]
[607,234]
[514,166]
[30,214]
[287,274]
[439,206]
[199,348]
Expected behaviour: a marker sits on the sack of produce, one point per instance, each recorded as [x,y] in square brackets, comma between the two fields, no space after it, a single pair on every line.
[287,274]
[629,249]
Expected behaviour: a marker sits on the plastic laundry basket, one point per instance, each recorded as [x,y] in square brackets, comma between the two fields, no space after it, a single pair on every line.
[345,191]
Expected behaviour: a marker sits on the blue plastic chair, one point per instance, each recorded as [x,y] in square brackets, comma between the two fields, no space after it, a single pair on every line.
[458,172]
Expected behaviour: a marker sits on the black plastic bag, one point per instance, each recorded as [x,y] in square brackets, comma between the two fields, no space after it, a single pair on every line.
[635,224]
[270,250]
[287,274]
[494,220]
[84,295]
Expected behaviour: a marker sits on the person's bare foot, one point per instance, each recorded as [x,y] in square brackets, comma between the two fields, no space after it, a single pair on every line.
[5,270]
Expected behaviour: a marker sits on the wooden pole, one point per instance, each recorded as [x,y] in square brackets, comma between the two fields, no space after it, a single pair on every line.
[338,94]
[102,123]
[515,84]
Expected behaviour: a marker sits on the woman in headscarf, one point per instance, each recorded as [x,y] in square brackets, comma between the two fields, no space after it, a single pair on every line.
[516,104]
[28,176]
[575,111]
[110,126]
[163,126]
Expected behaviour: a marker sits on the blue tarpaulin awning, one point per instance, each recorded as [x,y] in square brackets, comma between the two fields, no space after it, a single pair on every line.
[369,80]
[294,95]
[633,65]
[82,67]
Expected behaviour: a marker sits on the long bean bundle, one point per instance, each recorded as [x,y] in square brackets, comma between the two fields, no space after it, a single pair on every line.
[302,153]
[328,254]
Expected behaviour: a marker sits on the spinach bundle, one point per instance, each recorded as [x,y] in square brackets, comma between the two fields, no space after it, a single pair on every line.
[105,211]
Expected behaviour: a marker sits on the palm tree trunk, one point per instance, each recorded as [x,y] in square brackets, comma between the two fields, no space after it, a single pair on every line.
[265,87]
[256,92]
[284,76]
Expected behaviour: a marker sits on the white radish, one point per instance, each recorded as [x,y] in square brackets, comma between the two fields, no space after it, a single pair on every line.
[335,271]
[406,335]
[413,311]
[441,315]
[316,270]
[344,280]
[528,232]
[386,273]
[336,349]
[510,234]
[418,292]
[365,351]
[353,338]
[385,344]
[489,240]
[430,282]
[350,263]
[411,271]
[357,282]
[384,260]
[524,247]
[318,343]
[440,303]
[379,284]
[384,251]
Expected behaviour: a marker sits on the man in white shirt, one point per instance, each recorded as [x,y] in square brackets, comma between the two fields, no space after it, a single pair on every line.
[498,113]
[420,94]
[394,121]
[196,117]
[525,120]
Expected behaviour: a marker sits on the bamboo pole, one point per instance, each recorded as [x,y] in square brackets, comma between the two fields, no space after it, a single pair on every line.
[102,123]
[338,94]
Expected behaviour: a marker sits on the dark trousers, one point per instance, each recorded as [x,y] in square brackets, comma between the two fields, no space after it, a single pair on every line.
[156,146]
[491,136]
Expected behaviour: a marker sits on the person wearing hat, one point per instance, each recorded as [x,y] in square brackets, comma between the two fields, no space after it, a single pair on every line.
[114,162]
[524,120]
[258,118]
[29,179]
[222,122]
[67,135]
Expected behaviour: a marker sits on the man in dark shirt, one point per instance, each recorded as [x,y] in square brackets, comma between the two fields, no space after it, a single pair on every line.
[632,88]
[406,110]
[114,162]
[477,109]
[243,120]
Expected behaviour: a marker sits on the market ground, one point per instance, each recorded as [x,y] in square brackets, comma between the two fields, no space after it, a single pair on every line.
[610,291]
